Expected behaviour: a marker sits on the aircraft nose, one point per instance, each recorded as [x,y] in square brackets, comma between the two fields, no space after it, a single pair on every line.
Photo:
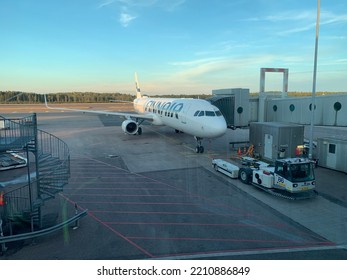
[219,128]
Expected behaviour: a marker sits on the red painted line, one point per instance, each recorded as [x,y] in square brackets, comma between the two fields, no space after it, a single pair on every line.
[112,229]
[122,236]
[102,177]
[115,183]
[167,213]
[154,181]
[133,195]
[139,203]
[173,187]
[220,240]
[115,188]
[91,168]
[186,224]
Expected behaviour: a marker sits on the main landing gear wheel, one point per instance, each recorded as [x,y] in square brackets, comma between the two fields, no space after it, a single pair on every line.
[199,149]
[139,131]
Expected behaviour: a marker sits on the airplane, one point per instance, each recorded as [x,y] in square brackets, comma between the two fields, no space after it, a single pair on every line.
[195,117]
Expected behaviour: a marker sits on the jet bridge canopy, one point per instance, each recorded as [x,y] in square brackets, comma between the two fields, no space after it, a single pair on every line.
[234,105]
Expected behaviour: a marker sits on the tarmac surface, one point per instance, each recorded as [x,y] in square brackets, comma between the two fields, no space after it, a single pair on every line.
[153,197]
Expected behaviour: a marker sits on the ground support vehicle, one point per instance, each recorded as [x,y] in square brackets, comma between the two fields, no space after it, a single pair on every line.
[226,168]
[291,178]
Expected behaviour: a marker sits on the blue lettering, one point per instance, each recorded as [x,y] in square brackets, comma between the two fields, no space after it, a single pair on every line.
[178,107]
[166,106]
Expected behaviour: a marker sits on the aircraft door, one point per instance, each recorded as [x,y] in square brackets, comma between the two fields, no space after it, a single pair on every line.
[268,146]
[331,155]
[185,111]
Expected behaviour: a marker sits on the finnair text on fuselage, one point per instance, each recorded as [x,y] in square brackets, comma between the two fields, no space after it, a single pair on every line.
[143,105]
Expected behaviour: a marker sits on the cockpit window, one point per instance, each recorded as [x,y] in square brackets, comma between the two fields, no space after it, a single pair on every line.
[207,113]
[210,113]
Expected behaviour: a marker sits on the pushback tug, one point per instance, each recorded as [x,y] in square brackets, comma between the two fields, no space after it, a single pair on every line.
[291,178]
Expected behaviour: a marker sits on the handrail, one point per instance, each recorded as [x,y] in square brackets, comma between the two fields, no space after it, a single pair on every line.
[38,233]
[17,133]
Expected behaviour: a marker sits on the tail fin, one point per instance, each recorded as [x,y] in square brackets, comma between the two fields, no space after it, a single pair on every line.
[137,84]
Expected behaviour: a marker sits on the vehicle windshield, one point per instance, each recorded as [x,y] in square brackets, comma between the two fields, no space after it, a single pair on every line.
[301,172]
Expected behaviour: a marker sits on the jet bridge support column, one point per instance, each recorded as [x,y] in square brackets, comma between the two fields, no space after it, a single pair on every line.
[262,94]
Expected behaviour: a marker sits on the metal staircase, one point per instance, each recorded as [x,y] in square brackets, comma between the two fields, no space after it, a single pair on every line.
[48,170]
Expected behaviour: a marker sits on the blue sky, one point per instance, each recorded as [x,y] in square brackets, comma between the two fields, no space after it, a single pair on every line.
[176,46]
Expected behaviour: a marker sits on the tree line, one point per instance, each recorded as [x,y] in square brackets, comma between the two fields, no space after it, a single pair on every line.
[17,97]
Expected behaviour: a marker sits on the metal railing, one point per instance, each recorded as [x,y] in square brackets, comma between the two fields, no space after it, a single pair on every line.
[38,233]
[52,167]
[16,133]
[52,171]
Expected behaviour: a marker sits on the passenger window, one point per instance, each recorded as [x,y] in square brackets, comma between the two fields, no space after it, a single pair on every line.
[201,114]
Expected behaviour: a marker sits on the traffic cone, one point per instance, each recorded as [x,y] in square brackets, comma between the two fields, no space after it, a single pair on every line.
[2,200]
[239,151]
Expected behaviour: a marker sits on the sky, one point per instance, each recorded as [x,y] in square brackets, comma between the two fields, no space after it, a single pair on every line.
[175,46]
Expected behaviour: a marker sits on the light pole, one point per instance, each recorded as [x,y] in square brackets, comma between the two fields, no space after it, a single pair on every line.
[314,82]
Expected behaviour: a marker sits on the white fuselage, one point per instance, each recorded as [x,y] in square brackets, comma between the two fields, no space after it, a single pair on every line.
[196,117]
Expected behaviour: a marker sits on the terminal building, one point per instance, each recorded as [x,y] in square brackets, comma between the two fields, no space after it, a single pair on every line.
[241,109]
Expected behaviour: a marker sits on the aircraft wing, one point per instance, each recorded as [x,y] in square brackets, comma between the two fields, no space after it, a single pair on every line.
[147,117]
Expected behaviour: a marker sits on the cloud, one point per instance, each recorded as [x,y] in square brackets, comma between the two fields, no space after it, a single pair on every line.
[171,5]
[168,5]
[330,18]
[137,3]
[106,3]
[138,6]
[125,19]
[301,20]
[297,29]
[202,68]
[197,61]
[293,16]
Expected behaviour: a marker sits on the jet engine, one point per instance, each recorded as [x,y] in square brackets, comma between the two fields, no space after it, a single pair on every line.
[130,127]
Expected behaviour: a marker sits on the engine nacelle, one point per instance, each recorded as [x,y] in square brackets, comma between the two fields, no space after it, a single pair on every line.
[130,127]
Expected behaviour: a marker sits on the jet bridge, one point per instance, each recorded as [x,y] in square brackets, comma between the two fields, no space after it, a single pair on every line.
[234,105]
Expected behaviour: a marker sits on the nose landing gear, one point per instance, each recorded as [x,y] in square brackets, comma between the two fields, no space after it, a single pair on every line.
[199,149]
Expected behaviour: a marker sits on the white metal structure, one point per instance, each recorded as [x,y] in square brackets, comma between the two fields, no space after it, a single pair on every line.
[195,117]
[262,95]
[285,72]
